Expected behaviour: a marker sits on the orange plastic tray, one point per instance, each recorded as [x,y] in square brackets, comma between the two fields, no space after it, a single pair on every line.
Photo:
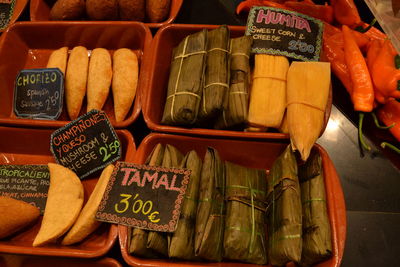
[32,146]
[253,154]
[154,95]
[32,261]
[27,45]
[18,9]
[40,11]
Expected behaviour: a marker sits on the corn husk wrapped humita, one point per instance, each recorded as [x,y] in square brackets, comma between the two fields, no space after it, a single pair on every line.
[307,94]
[244,237]
[268,92]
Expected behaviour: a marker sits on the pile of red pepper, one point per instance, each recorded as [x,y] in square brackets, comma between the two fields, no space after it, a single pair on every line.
[361,56]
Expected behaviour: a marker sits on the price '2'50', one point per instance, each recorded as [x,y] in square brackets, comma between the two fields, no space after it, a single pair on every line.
[109,149]
[138,206]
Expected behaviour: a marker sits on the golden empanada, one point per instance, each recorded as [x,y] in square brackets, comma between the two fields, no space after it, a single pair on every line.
[75,80]
[99,79]
[58,59]
[124,83]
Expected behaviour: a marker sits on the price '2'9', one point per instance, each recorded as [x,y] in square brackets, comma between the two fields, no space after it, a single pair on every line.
[138,207]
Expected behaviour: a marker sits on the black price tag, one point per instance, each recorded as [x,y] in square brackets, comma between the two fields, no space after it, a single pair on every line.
[280,32]
[86,144]
[39,93]
[29,183]
[146,197]
[6,12]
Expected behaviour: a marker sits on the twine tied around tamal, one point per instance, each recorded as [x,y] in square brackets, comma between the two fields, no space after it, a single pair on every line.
[182,57]
[253,206]
[280,188]
[306,104]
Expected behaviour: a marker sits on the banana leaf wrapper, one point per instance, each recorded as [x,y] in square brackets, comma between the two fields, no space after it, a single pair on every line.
[284,211]
[317,242]
[138,243]
[158,241]
[186,80]
[236,100]
[210,218]
[245,237]
[182,241]
[216,76]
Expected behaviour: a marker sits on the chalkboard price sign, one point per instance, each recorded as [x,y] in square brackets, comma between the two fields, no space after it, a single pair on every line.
[146,197]
[29,183]
[86,144]
[6,12]
[39,93]
[277,31]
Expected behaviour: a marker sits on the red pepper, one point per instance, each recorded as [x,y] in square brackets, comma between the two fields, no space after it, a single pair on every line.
[361,40]
[389,114]
[345,12]
[373,33]
[373,52]
[330,30]
[384,74]
[363,92]
[322,12]
[245,6]
[335,56]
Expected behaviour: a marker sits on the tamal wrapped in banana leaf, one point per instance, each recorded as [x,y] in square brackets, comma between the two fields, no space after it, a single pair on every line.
[210,218]
[186,80]
[138,244]
[182,241]
[158,241]
[317,242]
[245,237]
[216,76]
[236,101]
[284,211]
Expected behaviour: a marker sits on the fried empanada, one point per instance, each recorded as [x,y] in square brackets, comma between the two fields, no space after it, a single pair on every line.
[63,205]
[99,79]
[75,80]
[58,59]
[15,215]
[124,83]
[86,222]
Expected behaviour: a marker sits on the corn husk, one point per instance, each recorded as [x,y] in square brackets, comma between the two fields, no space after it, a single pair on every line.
[268,91]
[236,101]
[210,218]
[284,128]
[307,95]
[284,211]
[138,244]
[317,242]
[158,241]
[185,80]
[182,241]
[244,237]
[216,78]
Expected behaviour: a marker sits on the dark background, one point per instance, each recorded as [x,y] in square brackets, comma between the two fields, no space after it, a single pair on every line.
[371,184]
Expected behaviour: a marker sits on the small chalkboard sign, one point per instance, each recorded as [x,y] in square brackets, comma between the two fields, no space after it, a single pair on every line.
[146,197]
[277,31]
[86,144]
[29,183]
[6,12]
[39,93]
